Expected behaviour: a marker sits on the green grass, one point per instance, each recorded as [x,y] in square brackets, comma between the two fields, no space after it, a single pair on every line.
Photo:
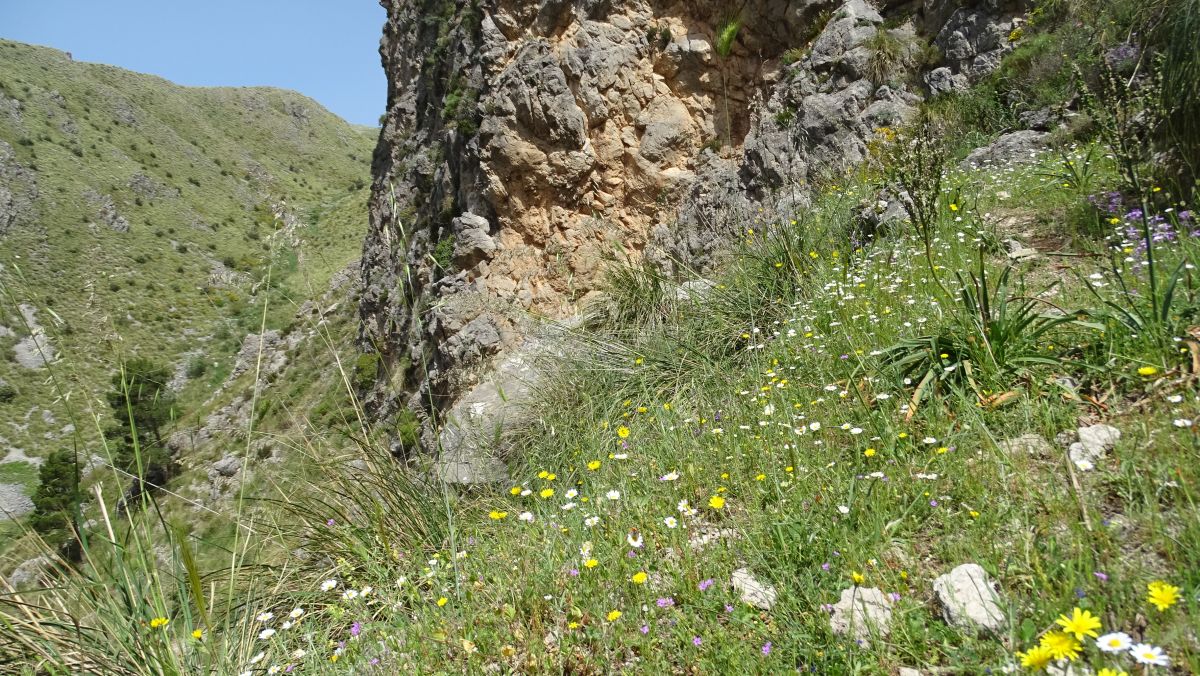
[770,394]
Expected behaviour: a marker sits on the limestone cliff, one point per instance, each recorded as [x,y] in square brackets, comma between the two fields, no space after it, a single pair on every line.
[526,141]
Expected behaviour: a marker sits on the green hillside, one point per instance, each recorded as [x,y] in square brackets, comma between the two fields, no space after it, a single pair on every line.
[142,218]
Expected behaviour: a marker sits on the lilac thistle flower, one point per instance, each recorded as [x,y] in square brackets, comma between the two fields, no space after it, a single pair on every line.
[703,586]
[356,629]
[666,602]
[766,649]
[696,640]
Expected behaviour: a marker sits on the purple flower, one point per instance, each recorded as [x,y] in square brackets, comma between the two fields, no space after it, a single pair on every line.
[894,596]
[696,640]
[574,572]
[825,566]
[645,629]
[766,649]
[632,553]
[356,629]
[330,522]
[374,661]
[1103,577]
[703,586]
[1079,593]
[728,608]
[666,602]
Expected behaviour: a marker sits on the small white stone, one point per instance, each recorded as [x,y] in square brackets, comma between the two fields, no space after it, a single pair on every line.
[969,599]
[752,591]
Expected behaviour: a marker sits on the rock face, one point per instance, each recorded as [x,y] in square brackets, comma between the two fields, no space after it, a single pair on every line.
[14,504]
[478,428]
[526,141]
[969,599]
[862,612]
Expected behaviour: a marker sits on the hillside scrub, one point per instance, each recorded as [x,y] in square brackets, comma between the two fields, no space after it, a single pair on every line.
[786,468]
[762,429]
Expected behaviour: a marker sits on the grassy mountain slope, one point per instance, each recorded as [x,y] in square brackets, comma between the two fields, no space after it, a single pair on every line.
[849,411]
[138,217]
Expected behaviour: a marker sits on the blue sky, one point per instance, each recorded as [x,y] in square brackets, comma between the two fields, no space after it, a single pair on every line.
[326,49]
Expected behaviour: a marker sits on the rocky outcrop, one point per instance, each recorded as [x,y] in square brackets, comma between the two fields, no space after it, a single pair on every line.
[18,191]
[526,141]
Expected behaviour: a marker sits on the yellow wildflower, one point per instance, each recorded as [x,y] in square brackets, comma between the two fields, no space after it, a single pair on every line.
[1163,595]
[1036,658]
[1080,623]
[1062,646]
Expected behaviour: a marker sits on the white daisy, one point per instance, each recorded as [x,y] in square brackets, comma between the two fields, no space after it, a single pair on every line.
[328,585]
[1145,653]
[1116,642]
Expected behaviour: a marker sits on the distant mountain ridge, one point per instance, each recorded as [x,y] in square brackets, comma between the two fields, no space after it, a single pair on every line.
[140,217]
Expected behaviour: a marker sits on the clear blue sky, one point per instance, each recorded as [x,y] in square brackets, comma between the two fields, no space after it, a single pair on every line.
[326,49]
